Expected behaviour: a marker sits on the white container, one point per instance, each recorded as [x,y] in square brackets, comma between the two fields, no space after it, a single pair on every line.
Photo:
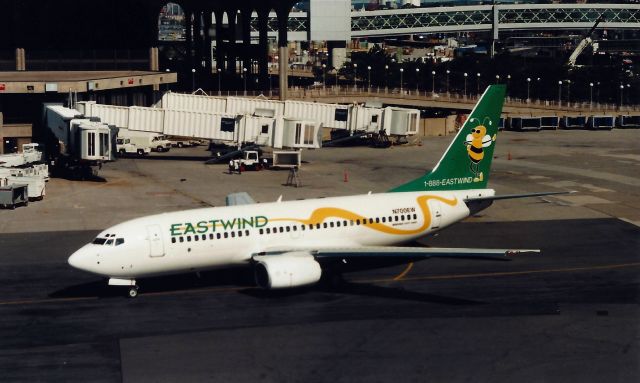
[36,186]
[146,119]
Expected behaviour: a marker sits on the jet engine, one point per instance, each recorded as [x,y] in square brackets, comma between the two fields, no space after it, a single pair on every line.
[287,270]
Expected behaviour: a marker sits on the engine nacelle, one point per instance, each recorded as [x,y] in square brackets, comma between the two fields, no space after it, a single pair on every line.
[285,271]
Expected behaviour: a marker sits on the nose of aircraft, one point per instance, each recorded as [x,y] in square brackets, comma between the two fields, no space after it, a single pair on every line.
[79,259]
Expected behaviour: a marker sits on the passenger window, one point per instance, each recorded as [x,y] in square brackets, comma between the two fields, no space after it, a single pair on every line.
[226,235]
[210,236]
[358,222]
[310,226]
[344,223]
[233,234]
[303,227]
[239,234]
[396,218]
[204,237]
[281,229]
[246,232]
[377,220]
[196,238]
[173,240]
[338,224]
[324,225]
[415,216]
[318,225]
[288,229]
[384,219]
[120,241]
[188,238]
[295,228]
[352,223]
[261,231]
[331,224]
[181,239]
[218,236]
[370,220]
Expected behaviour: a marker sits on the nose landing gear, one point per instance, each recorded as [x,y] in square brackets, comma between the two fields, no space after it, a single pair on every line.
[133,291]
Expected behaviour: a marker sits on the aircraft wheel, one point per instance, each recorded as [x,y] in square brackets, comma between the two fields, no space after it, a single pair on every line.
[133,292]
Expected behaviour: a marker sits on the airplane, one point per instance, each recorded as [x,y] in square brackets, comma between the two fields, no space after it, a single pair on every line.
[293,243]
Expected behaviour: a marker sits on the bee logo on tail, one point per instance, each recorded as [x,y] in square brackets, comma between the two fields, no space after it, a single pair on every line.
[475,142]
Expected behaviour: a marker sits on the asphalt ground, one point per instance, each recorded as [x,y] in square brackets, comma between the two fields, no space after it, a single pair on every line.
[568,314]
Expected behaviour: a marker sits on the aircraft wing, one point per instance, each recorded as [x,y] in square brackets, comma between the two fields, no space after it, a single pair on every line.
[404,252]
[242,198]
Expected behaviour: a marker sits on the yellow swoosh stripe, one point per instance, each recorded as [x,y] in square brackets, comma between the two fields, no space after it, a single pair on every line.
[321,214]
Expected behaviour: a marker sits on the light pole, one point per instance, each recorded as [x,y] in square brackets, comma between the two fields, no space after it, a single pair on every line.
[324,76]
[220,82]
[477,84]
[568,92]
[355,76]
[193,80]
[401,71]
[433,82]
[244,79]
[386,78]
[448,72]
[465,84]
[417,80]
[528,88]
[628,93]
[508,83]
[598,93]
[336,69]
[560,93]
[369,77]
[497,79]
[538,87]
[590,95]
[621,89]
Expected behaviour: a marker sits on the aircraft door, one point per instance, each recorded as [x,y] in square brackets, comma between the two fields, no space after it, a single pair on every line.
[156,245]
[436,214]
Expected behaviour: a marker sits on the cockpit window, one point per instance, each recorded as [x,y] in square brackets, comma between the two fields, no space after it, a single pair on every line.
[119,241]
[109,242]
[99,241]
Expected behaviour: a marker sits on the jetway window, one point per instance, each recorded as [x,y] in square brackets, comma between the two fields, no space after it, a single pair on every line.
[228,125]
[342,115]
[91,144]
[104,144]
[265,129]
[374,119]
[308,134]
[298,133]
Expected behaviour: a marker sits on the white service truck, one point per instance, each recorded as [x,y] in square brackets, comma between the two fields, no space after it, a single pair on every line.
[125,147]
[154,141]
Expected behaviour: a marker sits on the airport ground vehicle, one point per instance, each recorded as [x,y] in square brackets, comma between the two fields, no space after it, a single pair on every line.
[155,141]
[125,147]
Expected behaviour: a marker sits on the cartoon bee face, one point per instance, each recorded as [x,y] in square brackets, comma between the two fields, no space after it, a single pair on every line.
[475,142]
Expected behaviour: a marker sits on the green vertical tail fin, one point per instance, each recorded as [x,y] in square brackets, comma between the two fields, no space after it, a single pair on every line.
[467,162]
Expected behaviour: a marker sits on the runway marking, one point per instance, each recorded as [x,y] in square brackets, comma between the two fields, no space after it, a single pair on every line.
[53,300]
[509,273]
[405,272]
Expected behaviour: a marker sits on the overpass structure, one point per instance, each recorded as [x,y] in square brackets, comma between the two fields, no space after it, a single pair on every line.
[475,18]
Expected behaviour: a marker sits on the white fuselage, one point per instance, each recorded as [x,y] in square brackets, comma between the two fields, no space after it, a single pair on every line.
[220,237]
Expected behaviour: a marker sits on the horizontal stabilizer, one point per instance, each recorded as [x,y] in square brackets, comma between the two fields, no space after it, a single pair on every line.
[512,196]
[242,198]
